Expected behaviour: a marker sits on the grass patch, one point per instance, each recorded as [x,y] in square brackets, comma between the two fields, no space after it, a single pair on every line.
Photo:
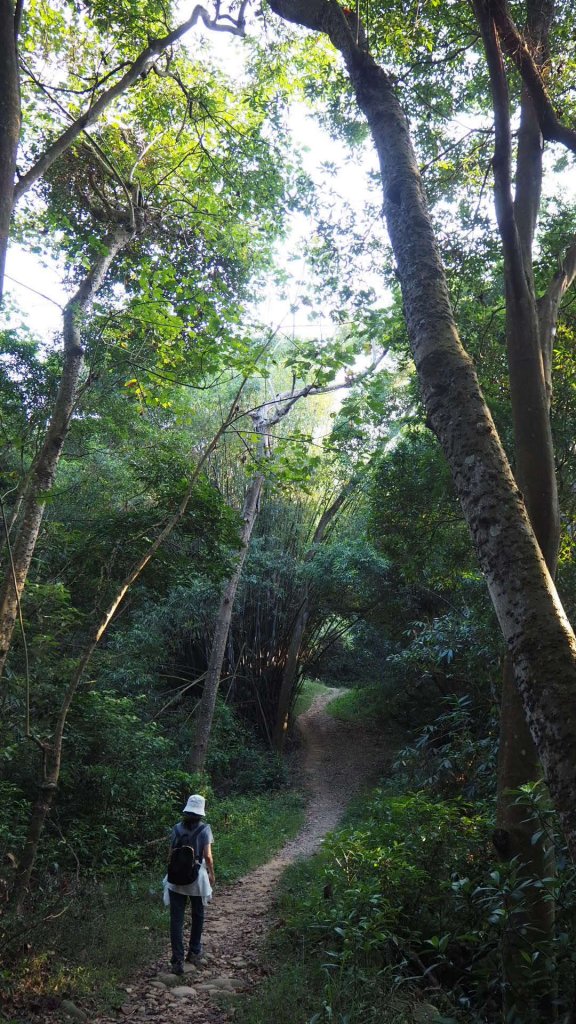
[364,706]
[309,690]
[289,996]
[87,952]
[249,830]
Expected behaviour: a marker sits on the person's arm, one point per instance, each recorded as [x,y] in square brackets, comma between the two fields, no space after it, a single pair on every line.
[207,855]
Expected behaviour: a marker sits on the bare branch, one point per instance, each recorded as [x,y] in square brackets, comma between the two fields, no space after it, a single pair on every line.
[287,399]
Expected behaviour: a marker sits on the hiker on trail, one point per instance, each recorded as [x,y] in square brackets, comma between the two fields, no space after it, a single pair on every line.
[190,874]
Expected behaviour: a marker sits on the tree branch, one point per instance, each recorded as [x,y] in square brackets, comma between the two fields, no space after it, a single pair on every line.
[502,160]
[9,124]
[18,8]
[549,305]
[287,399]
[140,66]
[519,52]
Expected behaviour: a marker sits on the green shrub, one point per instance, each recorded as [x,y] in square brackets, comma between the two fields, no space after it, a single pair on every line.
[456,754]
[380,908]
[237,762]
[389,875]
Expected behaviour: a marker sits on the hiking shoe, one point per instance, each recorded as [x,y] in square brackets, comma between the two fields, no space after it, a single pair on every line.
[177,968]
[194,958]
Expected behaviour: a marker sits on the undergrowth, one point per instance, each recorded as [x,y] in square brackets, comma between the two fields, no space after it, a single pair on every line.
[365,921]
[83,944]
[401,916]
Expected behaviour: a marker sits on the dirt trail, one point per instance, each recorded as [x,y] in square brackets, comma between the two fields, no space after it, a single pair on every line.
[337,761]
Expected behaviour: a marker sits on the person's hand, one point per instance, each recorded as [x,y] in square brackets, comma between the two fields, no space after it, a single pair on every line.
[212,877]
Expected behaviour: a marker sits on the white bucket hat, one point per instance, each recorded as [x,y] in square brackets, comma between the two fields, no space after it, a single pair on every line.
[195,805]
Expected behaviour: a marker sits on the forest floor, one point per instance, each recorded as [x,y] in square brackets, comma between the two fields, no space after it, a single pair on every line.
[338,760]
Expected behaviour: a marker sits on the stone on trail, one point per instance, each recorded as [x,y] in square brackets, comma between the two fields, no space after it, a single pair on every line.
[71,1010]
[223,984]
[184,992]
[170,980]
[426,1013]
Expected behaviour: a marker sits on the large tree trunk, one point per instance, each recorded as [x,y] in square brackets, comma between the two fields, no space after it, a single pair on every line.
[43,472]
[290,673]
[9,123]
[530,925]
[531,617]
[205,712]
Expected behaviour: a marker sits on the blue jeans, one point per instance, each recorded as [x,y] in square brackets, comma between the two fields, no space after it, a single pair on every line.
[177,908]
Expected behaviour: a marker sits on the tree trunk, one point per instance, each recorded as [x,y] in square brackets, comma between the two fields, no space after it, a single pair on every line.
[205,712]
[9,124]
[531,617]
[38,816]
[290,673]
[529,926]
[289,676]
[44,470]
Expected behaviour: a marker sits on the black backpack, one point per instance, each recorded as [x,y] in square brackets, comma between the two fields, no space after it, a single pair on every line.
[184,865]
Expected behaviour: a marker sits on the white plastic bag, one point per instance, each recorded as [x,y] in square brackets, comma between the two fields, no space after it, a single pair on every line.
[204,887]
[165,892]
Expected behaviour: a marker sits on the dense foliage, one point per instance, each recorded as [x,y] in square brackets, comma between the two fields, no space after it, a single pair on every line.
[161,178]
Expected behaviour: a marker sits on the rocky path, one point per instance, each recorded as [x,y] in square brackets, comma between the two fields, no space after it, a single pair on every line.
[338,760]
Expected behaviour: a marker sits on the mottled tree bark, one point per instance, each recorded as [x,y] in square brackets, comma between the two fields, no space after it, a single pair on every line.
[529,344]
[9,123]
[534,625]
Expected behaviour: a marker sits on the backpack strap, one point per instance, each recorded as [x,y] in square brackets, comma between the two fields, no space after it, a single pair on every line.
[183,833]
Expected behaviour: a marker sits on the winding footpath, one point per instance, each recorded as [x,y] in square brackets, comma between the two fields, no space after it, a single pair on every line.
[338,760]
